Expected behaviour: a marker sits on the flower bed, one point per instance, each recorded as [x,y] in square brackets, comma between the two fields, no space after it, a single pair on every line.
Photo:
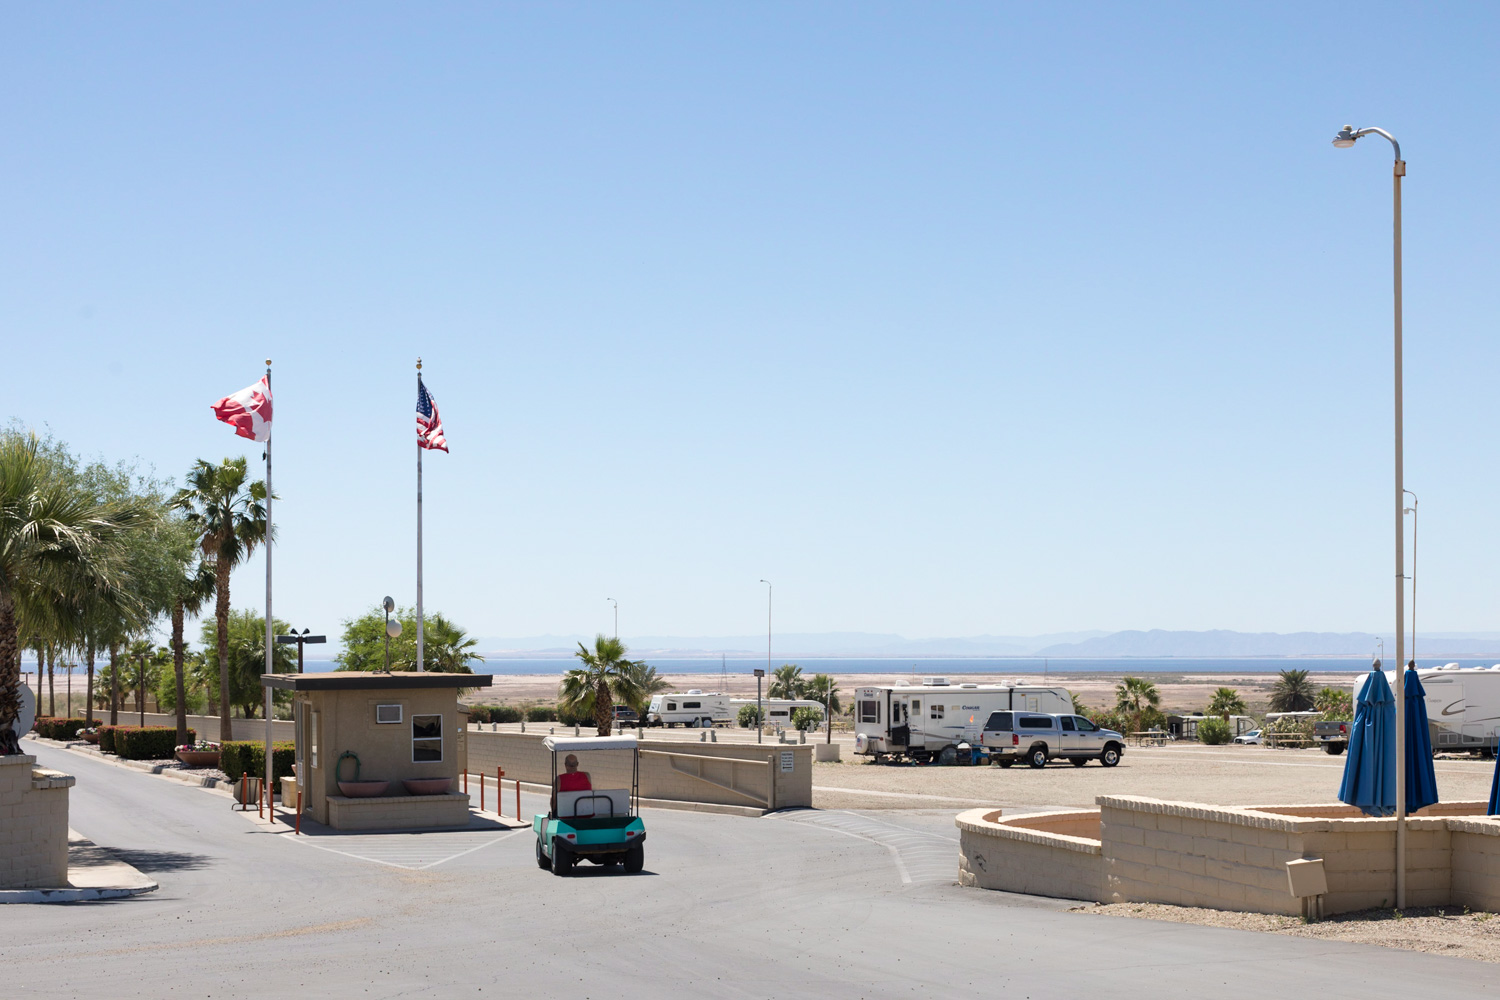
[199,753]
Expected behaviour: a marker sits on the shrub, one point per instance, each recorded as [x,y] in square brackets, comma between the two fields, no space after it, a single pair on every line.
[240,756]
[1293,731]
[109,738]
[806,718]
[58,729]
[750,716]
[479,713]
[505,713]
[574,718]
[1214,731]
[147,743]
[541,713]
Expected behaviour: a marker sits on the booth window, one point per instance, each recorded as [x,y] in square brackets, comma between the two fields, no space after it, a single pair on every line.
[426,738]
[312,741]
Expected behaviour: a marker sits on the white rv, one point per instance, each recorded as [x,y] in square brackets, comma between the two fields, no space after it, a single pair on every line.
[921,720]
[1463,705]
[693,708]
[778,710]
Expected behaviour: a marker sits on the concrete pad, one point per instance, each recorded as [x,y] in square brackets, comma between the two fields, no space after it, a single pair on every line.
[93,874]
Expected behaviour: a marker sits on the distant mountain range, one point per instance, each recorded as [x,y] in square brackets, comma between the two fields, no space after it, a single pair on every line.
[1155,643]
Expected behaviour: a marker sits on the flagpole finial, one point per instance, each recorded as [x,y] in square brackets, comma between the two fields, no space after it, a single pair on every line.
[268,362]
[419,364]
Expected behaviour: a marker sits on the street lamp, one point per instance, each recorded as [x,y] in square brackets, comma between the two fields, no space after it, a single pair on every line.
[392,630]
[759,718]
[768,624]
[1345,139]
[617,615]
[1412,510]
[302,639]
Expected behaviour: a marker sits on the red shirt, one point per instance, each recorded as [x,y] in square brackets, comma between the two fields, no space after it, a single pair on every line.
[578,781]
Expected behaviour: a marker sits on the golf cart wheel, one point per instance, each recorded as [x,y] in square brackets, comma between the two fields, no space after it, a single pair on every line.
[1078,761]
[542,861]
[635,859]
[1005,762]
[1037,757]
[1111,756]
[562,858]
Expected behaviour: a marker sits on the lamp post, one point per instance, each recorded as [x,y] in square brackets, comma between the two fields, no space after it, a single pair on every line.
[617,615]
[1412,510]
[1345,139]
[759,720]
[768,624]
[303,639]
[392,630]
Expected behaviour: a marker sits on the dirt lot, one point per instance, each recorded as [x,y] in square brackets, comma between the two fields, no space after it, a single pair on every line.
[1224,775]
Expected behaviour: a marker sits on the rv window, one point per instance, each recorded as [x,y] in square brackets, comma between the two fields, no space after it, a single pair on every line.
[999,721]
[1067,723]
[916,706]
[692,704]
[671,706]
[869,711]
[936,712]
[1036,722]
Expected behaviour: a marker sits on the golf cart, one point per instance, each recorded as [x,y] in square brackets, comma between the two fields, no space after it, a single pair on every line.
[601,825]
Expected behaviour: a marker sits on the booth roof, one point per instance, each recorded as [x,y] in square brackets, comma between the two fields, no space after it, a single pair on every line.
[360,680]
[572,744]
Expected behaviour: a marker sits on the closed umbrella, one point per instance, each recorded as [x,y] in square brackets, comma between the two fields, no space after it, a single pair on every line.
[1421,780]
[1370,770]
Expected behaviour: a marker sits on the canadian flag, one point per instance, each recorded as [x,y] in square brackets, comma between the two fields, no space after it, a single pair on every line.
[248,411]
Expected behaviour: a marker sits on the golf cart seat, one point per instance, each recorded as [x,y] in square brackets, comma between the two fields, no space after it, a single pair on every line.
[601,802]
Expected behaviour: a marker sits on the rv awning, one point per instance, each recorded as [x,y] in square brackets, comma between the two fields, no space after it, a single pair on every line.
[573,744]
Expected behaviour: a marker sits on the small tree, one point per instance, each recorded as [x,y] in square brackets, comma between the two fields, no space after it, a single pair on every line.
[1134,696]
[1292,692]
[1226,702]
[805,719]
[750,717]
[1335,703]
[1213,731]
[787,682]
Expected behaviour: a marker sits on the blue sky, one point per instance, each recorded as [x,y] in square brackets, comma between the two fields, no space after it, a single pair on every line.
[948,319]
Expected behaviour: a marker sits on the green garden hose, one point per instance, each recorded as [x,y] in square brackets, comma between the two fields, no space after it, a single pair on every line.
[340,765]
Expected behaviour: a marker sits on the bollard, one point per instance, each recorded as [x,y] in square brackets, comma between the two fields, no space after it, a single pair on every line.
[518,799]
[260,806]
[499,773]
[713,736]
[244,790]
[466,781]
[481,791]
[299,810]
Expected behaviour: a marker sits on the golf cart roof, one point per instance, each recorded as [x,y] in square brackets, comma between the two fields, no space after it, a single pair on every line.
[573,744]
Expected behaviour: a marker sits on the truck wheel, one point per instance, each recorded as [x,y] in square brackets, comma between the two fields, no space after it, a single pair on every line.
[1038,756]
[1333,749]
[542,861]
[1078,761]
[562,858]
[1111,756]
[635,859]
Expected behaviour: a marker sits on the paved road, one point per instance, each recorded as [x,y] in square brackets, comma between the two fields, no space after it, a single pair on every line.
[802,904]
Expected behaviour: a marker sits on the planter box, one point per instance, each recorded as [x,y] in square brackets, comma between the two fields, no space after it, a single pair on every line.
[199,758]
[427,786]
[363,789]
[89,738]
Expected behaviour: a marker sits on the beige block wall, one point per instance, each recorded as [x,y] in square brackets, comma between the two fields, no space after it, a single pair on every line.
[207,726]
[33,825]
[346,722]
[1032,854]
[411,812]
[677,770]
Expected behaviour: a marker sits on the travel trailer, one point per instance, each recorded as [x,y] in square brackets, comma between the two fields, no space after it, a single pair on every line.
[700,709]
[921,720]
[1463,705]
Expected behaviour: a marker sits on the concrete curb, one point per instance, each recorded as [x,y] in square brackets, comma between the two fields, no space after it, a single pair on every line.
[93,874]
[222,787]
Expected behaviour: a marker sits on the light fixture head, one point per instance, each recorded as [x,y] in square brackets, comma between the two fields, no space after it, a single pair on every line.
[1345,138]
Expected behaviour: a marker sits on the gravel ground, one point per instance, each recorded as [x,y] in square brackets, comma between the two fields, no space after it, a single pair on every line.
[1441,931]
[1224,775]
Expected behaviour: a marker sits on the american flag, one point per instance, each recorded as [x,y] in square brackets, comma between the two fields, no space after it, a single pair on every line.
[249,411]
[429,424]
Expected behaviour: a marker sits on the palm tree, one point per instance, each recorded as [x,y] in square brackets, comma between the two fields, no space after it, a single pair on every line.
[1226,702]
[1079,708]
[447,648]
[49,531]
[645,682]
[787,682]
[822,687]
[1292,692]
[592,687]
[192,589]
[229,514]
[1133,696]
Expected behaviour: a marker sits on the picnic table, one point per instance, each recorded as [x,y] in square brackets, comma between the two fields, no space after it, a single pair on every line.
[1150,738]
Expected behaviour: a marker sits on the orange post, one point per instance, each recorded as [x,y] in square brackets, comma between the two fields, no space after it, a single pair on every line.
[481,791]
[466,781]
[260,805]
[518,798]
[299,812]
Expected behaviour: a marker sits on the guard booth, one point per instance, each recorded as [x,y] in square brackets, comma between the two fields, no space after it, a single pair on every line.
[380,751]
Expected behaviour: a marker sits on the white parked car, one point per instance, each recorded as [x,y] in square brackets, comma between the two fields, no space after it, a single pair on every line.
[1253,736]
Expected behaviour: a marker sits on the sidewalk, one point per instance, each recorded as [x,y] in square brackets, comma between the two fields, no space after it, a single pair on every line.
[93,874]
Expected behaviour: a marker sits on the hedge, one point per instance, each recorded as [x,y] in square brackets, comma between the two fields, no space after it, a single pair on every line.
[479,713]
[58,729]
[108,737]
[505,713]
[149,743]
[238,757]
[541,713]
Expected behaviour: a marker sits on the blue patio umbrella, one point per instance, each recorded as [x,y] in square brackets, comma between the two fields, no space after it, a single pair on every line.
[1370,769]
[1494,809]
[1421,780]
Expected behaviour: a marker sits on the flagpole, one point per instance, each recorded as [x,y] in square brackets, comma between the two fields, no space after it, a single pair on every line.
[419,528]
[269,628]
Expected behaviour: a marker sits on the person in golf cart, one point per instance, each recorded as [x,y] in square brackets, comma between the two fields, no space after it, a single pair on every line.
[572,779]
